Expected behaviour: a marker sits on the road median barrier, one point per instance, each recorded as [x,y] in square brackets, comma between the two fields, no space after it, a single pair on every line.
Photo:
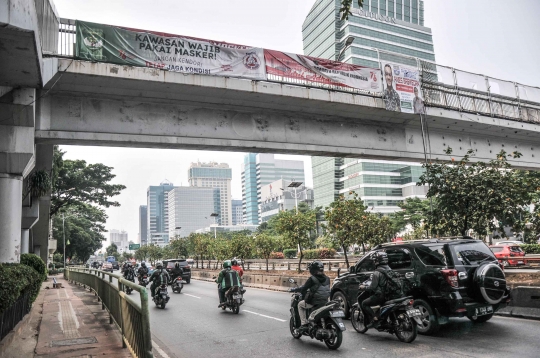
[525,303]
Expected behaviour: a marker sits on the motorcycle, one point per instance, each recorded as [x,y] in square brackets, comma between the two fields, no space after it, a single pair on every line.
[325,323]
[234,298]
[395,316]
[143,281]
[162,296]
[177,284]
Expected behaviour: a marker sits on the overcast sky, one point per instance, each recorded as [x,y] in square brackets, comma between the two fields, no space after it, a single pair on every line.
[499,38]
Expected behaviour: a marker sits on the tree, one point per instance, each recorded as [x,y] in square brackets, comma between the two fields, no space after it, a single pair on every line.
[155,253]
[265,245]
[201,246]
[413,212]
[480,196]
[344,219]
[111,249]
[127,256]
[75,183]
[295,228]
[142,253]
[346,6]
[179,247]
[241,246]
[374,230]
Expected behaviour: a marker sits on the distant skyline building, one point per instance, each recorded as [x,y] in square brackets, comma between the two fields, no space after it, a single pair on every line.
[190,208]
[214,175]
[236,211]
[143,224]
[262,169]
[120,239]
[382,30]
[230,228]
[277,196]
[158,213]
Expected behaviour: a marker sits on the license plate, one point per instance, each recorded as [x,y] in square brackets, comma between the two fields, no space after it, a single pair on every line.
[237,296]
[520,262]
[482,311]
[337,314]
[414,313]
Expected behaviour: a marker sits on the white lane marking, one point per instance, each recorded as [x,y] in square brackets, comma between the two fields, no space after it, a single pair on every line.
[159,350]
[187,294]
[265,316]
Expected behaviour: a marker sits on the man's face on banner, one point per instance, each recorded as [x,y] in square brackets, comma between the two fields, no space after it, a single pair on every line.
[388,76]
[416,92]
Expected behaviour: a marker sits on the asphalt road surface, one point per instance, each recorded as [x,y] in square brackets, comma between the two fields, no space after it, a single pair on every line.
[192,326]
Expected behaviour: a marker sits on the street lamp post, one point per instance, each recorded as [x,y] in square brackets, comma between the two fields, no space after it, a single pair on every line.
[215,215]
[295,184]
[348,43]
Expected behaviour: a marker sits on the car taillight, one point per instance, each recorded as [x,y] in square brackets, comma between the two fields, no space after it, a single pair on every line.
[187,266]
[451,276]
[411,302]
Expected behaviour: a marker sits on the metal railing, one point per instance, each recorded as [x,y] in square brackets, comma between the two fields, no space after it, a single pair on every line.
[131,317]
[442,86]
[14,314]
[48,25]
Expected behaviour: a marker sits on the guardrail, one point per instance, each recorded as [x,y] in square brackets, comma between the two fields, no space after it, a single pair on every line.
[533,261]
[131,317]
[281,264]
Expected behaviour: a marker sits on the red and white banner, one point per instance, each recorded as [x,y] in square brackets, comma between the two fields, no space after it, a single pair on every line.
[312,69]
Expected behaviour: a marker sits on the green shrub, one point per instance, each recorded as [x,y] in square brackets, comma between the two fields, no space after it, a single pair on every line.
[57,265]
[290,253]
[531,249]
[323,253]
[14,280]
[277,255]
[36,263]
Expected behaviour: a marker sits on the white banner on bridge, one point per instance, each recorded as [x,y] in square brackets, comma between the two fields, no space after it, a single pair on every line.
[402,92]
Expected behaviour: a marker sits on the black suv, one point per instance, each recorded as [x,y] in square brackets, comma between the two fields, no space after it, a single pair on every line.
[448,278]
[169,265]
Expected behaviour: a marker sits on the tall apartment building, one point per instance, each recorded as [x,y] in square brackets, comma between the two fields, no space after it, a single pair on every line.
[120,239]
[190,209]
[143,224]
[277,196]
[262,169]
[236,212]
[382,30]
[214,175]
[158,213]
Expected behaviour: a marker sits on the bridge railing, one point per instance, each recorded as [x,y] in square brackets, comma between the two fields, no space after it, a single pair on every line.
[442,86]
[130,315]
[48,23]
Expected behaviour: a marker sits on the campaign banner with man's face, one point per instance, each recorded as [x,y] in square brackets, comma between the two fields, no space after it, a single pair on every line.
[126,46]
[318,70]
[402,88]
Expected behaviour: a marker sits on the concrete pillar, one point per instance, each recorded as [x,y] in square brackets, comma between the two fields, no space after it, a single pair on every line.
[25,241]
[10,217]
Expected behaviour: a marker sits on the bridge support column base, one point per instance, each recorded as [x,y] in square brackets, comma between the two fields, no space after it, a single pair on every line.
[10,217]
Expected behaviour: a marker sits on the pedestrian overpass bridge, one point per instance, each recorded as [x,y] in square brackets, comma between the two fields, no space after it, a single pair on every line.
[47,97]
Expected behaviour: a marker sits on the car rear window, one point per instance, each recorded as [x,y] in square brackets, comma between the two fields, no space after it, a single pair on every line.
[515,249]
[432,255]
[471,253]
[496,249]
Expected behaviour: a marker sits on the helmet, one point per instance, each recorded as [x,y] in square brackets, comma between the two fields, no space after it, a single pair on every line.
[128,264]
[379,258]
[316,268]
[159,264]
[143,264]
[234,262]
[227,264]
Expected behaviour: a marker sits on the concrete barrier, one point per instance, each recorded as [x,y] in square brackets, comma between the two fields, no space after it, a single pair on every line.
[525,303]
[257,280]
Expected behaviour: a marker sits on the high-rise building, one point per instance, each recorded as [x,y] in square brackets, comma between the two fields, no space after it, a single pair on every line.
[262,169]
[191,208]
[382,30]
[158,213]
[120,239]
[278,196]
[236,212]
[214,175]
[143,224]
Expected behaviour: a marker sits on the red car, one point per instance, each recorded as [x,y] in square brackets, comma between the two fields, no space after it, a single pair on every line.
[501,252]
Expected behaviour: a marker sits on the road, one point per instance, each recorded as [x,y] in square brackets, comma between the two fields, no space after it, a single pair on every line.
[192,326]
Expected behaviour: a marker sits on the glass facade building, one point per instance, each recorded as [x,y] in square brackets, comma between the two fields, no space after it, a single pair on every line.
[236,212]
[143,224]
[382,30]
[190,209]
[262,169]
[158,213]
[214,175]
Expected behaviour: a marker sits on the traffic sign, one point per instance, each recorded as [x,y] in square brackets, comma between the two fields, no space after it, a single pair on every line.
[134,246]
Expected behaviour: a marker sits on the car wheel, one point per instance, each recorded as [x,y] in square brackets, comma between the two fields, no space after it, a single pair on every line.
[343,304]
[480,319]
[430,322]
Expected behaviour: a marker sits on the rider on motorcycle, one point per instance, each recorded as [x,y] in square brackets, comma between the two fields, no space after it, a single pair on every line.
[227,278]
[159,276]
[238,268]
[143,270]
[177,271]
[376,288]
[128,272]
[319,282]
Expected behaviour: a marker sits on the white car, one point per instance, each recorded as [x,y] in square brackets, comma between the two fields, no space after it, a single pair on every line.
[509,243]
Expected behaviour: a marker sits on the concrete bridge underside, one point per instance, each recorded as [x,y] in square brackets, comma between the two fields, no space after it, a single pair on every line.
[109,105]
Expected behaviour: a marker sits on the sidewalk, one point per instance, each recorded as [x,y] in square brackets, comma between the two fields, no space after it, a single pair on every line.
[73,325]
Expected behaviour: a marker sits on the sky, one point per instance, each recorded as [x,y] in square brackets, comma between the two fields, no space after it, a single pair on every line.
[497,38]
